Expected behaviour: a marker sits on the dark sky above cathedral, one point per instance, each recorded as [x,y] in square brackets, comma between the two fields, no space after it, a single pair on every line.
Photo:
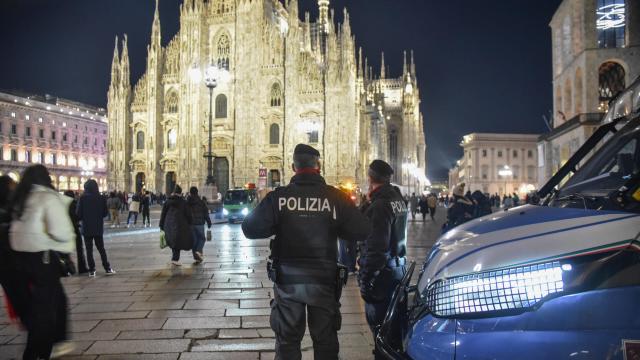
[482,66]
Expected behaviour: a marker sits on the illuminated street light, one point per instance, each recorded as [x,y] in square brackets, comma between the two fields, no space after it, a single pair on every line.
[505,172]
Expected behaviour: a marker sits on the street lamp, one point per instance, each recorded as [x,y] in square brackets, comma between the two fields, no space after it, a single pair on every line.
[211,75]
[505,172]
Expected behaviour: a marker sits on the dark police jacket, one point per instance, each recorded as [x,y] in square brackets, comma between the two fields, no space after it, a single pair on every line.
[387,212]
[306,217]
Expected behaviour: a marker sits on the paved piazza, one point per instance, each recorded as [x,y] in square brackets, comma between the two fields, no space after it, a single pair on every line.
[217,310]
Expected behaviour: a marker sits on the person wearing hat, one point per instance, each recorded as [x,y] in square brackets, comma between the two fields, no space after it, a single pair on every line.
[460,210]
[306,217]
[382,260]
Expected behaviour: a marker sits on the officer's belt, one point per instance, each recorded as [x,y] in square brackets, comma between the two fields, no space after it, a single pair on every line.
[297,273]
[396,261]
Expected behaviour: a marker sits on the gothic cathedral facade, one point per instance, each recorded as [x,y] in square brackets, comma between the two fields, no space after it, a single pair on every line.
[288,81]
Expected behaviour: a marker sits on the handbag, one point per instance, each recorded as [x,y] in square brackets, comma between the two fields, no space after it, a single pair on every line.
[209,237]
[163,240]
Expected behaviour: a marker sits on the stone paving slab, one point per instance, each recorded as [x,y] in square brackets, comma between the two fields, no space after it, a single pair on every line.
[202,323]
[139,346]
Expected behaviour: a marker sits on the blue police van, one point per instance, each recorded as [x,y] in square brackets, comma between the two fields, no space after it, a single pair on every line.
[558,280]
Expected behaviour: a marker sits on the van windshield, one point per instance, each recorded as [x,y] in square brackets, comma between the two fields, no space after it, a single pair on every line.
[610,167]
[236,197]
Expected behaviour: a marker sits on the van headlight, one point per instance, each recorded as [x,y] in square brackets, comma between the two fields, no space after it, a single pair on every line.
[245,211]
[511,289]
[225,212]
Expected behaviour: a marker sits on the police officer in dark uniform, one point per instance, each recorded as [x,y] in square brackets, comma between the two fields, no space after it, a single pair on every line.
[382,260]
[306,217]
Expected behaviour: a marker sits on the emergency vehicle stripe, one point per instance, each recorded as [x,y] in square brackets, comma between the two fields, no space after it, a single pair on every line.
[529,237]
[594,250]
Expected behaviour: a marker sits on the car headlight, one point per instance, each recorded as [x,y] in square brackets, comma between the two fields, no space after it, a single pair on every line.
[225,212]
[516,288]
[245,211]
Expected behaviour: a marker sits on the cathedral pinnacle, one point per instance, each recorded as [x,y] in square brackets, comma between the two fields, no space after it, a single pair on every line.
[404,64]
[413,65]
[323,6]
[383,72]
[124,63]
[155,29]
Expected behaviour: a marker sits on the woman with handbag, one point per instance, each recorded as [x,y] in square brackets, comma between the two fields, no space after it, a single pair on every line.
[175,221]
[41,228]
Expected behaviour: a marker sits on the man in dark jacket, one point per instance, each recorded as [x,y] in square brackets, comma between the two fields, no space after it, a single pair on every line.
[306,217]
[175,221]
[199,216]
[82,262]
[145,203]
[382,260]
[91,211]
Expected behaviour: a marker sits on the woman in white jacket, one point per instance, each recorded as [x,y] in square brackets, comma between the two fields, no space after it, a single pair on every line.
[40,228]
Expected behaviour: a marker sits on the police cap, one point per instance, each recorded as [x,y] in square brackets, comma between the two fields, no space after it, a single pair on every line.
[381,168]
[305,149]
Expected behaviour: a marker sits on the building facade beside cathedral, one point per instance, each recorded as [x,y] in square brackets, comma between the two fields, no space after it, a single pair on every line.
[289,81]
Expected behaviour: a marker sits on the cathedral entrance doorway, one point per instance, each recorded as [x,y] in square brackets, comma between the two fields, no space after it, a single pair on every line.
[140,181]
[221,174]
[170,181]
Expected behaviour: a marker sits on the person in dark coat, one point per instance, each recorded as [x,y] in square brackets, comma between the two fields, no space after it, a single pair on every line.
[15,285]
[199,216]
[424,207]
[145,203]
[461,209]
[82,262]
[483,204]
[175,221]
[91,211]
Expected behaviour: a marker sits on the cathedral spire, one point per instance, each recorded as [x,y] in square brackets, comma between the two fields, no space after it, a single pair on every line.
[155,29]
[124,64]
[115,64]
[360,62]
[404,64]
[383,71]
[292,8]
[323,6]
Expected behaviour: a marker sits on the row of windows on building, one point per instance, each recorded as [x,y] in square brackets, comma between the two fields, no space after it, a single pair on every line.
[514,154]
[52,159]
[530,174]
[64,124]
[53,135]
[220,112]
[274,137]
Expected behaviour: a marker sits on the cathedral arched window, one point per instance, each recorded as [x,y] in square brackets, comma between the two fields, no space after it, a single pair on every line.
[221,106]
[223,49]
[274,134]
[276,95]
[171,104]
[223,7]
[172,139]
[140,140]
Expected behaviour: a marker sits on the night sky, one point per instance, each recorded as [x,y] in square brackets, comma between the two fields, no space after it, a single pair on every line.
[482,66]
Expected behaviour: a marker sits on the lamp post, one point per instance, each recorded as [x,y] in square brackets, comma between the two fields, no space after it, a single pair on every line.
[505,172]
[211,81]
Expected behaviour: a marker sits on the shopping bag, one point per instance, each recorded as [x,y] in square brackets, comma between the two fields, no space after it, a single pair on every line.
[209,235]
[163,240]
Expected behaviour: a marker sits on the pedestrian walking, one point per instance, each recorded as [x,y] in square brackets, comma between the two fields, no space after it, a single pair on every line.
[80,258]
[424,207]
[134,209]
[92,208]
[41,228]
[114,204]
[382,259]
[15,286]
[145,204]
[199,216]
[432,203]
[175,221]
[413,205]
[306,218]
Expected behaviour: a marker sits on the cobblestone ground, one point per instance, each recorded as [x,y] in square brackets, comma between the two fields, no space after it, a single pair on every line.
[216,310]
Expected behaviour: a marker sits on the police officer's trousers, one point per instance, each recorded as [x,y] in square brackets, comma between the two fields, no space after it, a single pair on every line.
[289,308]
[375,313]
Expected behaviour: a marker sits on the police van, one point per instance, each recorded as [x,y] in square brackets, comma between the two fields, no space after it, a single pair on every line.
[238,203]
[559,280]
